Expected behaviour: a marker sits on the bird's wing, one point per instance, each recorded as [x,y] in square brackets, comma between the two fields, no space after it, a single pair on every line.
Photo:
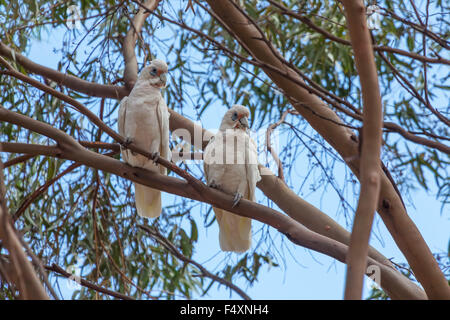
[121,124]
[122,116]
[163,118]
[252,170]
[207,158]
[212,164]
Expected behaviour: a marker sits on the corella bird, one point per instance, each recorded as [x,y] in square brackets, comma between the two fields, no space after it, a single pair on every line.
[144,120]
[230,163]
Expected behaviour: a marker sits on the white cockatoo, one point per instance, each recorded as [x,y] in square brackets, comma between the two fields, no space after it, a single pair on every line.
[230,163]
[144,120]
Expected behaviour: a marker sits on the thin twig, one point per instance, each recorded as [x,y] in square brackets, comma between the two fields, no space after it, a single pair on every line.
[87,284]
[154,233]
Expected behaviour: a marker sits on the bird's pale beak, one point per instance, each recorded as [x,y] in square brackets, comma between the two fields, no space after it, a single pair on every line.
[244,122]
[163,77]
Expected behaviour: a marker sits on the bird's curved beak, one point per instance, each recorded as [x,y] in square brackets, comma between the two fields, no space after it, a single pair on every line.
[163,77]
[244,122]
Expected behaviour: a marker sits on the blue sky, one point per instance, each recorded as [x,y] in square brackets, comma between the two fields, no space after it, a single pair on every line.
[307,274]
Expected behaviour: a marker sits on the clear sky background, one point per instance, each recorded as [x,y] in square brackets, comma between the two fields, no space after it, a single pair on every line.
[304,274]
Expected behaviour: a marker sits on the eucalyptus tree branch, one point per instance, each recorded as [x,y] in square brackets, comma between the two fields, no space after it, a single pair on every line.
[272,127]
[22,273]
[420,28]
[336,39]
[38,265]
[390,126]
[129,43]
[90,88]
[370,151]
[392,281]
[390,207]
[155,234]
[42,189]
[17,160]
[57,269]
[413,91]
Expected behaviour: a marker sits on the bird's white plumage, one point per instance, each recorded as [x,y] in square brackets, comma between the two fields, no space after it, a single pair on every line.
[230,164]
[144,118]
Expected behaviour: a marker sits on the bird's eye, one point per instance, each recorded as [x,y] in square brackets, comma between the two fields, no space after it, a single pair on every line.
[234,117]
[153,71]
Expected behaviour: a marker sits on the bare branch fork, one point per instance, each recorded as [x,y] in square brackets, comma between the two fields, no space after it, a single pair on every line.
[269,148]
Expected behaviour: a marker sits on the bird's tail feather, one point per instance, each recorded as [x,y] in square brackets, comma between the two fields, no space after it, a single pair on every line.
[235,231]
[148,201]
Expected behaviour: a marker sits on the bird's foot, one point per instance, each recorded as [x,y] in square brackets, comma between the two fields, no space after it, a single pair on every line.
[214,185]
[124,145]
[155,157]
[237,197]
[127,142]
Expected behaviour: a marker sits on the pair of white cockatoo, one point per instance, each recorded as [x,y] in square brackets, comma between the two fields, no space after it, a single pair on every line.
[229,159]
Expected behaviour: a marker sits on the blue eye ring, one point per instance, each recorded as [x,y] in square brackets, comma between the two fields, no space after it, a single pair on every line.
[153,71]
[234,116]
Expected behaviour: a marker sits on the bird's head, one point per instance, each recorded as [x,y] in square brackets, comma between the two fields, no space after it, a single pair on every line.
[236,118]
[155,73]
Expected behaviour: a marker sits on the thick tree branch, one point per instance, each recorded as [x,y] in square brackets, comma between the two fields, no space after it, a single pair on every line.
[129,43]
[370,151]
[90,88]
[390,126]
[17,160]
